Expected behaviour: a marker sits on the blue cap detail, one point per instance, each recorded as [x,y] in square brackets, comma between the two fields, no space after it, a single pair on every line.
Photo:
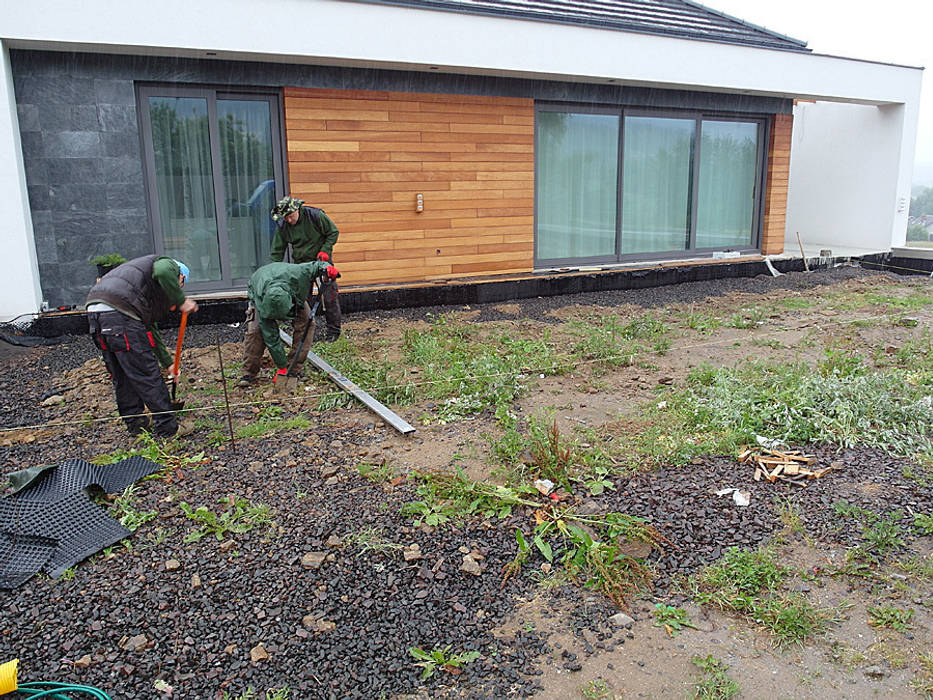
[183,269]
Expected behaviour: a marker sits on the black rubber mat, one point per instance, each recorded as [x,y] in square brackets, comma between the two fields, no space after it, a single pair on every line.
[22,556]
[75,475]
[50,524]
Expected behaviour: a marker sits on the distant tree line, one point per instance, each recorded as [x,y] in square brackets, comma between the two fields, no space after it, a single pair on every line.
[922,203]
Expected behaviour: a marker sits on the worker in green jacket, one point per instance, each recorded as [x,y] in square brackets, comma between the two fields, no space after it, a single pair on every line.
[277,292]
[312,236]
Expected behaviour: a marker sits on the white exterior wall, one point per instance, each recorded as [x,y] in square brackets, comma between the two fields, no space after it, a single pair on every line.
[850,176]
[19,271]
[347,33]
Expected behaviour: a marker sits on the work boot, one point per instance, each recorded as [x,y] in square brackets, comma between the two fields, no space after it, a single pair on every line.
[185,427]
[331,337]
[247,380]
[137,426]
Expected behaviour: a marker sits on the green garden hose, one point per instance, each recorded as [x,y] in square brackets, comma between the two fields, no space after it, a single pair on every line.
[59,691]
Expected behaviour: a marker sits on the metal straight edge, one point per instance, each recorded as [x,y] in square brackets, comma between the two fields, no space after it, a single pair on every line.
[397,422]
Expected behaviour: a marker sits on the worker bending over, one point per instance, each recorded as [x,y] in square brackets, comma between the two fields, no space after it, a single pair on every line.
[123,311]
[278,292]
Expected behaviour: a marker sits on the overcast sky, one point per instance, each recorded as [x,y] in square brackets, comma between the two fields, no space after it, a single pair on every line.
[892,31]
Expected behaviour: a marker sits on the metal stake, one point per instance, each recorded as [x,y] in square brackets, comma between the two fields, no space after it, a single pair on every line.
[223,379]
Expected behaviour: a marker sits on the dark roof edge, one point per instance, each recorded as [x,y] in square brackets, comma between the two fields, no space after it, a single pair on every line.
[797,47]
[802,44]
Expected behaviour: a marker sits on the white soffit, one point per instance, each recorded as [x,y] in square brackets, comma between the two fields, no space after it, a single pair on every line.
[342,33]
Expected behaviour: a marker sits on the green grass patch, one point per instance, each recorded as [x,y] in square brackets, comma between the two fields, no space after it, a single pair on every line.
[471,368]
[541,451]
[841,404]
[605,340]
[271,419]
[714,684]
[881,533]
[747,584]
[889,616]
[923,681]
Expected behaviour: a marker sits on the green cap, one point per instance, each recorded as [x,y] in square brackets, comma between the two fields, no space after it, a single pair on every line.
[286,206]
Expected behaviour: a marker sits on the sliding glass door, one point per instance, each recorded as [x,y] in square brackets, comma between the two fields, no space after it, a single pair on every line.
[657,173]
[578,157]
[213,163]
[613,185]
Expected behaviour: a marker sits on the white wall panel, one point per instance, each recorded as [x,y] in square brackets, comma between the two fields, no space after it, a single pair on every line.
[19,272]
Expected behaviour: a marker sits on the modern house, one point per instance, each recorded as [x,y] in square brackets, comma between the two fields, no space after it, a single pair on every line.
[447,139]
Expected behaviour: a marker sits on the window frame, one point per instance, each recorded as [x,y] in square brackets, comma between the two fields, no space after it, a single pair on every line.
[211,94]
[763,122]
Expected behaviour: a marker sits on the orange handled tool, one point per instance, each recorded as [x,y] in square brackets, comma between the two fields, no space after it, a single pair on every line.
[181,339]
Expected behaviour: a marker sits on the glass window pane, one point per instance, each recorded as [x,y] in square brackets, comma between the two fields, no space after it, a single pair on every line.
[245,129]
[185,184]
[577,185]
[728,171]
[657,166]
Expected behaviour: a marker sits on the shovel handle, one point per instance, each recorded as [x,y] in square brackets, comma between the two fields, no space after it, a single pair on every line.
[181,339]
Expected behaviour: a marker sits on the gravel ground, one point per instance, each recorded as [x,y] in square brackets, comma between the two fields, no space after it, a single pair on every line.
[247,610]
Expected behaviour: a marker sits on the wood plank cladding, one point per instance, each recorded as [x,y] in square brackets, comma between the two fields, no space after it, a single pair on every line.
[775,218]
[363,156]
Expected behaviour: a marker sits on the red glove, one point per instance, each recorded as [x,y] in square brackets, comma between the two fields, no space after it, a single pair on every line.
[280,373]
[332,272]
[323,257]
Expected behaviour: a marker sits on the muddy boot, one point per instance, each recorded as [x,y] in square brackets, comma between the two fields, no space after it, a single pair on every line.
[246,381]
[185,427]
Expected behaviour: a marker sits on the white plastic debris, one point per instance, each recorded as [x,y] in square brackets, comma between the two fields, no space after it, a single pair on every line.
[768,443]
[740,498]
[544,486]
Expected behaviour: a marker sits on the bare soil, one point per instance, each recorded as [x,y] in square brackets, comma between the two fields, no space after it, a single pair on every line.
[794,318]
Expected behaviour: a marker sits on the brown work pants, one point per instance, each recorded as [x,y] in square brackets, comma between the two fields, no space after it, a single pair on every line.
[254,345]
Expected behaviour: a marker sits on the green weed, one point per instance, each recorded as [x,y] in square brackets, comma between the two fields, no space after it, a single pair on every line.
[671,618]
[124,510]
[240,516]
[715,683]
[441,659]
[168,453]
[919,566]
[923,681]
[597,690]
[250,694]
[371,539]
[889,616]
[270,420]
[704,323]
[375,473]
[923,523]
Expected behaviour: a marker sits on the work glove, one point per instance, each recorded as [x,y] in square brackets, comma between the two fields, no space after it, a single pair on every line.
[323,257]
[280,373]
[332,272]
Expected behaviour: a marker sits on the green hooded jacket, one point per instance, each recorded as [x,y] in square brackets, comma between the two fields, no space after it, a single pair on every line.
[314,232]
[277,291]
